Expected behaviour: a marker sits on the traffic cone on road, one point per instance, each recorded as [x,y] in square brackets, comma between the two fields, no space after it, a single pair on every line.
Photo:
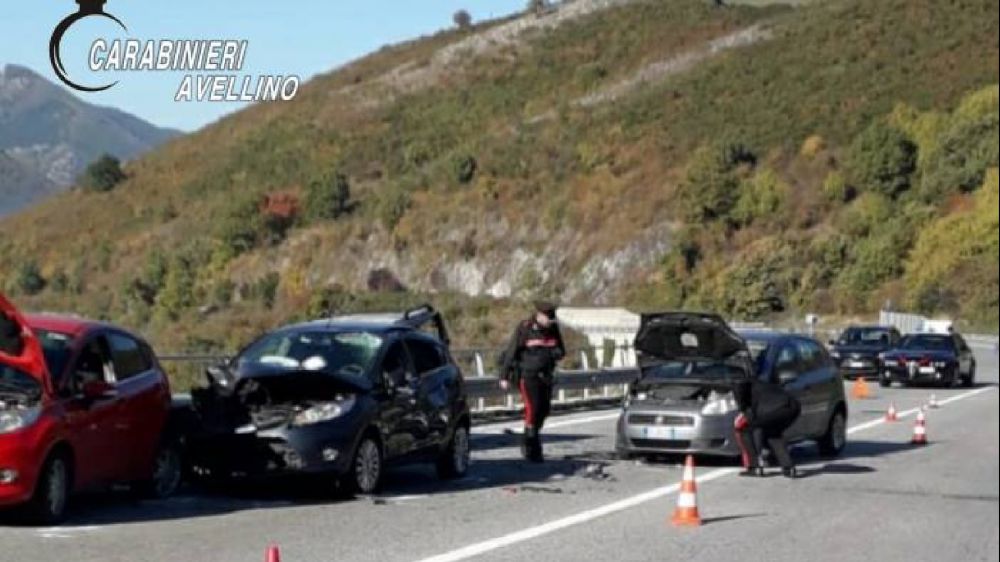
[860,389]
[933,403]
[919,430]
[891,415]
[272,554]
[686,513]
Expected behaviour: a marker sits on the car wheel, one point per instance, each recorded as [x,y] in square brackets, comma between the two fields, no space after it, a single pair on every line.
[454,461]
[969,380]
[168,472]
[884,382]
[48,505]
[833,442]
[366,468]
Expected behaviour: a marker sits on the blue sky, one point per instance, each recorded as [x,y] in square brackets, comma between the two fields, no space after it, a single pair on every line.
[302,37]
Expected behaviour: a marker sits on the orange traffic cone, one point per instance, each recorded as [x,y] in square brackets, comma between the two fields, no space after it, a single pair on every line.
[686,513]
[891,415]
[933,403]
[919,430]
[272,554]
[860,389]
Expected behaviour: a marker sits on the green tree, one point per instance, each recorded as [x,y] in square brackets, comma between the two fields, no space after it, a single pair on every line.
[711,184]
[328,198]
[102,174]
[966,150]
[462,19]
[881,159]
[29,278]
[239,230]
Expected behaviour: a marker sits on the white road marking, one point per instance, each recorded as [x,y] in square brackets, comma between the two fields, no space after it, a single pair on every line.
[490,545]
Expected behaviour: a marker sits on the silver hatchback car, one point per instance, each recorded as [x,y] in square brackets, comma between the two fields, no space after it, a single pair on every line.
[683,400]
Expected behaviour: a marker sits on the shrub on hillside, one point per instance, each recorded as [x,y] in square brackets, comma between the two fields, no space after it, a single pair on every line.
[836,189]
[392,203]
[465,169]
[865,214]
[882,160]
[328,198]
[102,174]
[710,187]
[29,278]
[965,151]
[462,19]
[763,198]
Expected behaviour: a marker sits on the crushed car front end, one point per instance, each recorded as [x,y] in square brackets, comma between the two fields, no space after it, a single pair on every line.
[278,422]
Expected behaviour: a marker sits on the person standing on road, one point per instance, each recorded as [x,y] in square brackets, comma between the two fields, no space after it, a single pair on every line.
[529,361]
[766,411]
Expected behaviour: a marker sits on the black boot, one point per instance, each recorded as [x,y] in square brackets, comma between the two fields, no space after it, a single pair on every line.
[534,446]
[526,443]
[753,471]
[790,472]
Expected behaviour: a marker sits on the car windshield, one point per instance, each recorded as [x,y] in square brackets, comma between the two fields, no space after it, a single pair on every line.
[15,383]
[931,343]
[349,353]
[697,370]
[865,336]
[56,346]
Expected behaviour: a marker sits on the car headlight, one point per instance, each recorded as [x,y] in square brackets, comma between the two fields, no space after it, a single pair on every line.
[324,412]
[719,405]
[15,419]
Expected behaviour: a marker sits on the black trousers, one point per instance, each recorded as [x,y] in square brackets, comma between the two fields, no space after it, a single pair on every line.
[536,393]
[752,439]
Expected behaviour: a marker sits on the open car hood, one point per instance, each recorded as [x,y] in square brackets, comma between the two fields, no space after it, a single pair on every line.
[686,336]
[19,348]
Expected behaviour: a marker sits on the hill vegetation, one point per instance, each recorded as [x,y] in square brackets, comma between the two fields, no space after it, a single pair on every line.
[756,160]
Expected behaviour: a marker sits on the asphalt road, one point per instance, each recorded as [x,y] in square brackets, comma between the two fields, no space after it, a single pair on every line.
[883,499]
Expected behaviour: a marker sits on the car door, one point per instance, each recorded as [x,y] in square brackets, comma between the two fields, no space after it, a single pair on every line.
[819,381]
[94,424]
[438,386]
[400,429]
[787,361]
[434,388]
[145,403]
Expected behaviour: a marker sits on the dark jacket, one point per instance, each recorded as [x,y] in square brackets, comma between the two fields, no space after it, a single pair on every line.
[767,405]
[532,351]
[10,336]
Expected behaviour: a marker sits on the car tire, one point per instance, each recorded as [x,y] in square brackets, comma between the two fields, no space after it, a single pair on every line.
[968,381]
[168,473]
[365,475]
[48,504]
[454,460]
[832,443]
[884,382]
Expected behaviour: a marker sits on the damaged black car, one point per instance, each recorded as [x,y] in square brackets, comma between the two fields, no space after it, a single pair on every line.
[343,397]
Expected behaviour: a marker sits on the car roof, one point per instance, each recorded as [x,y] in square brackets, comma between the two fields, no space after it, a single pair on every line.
[764,335]
[870,327]
[63,323]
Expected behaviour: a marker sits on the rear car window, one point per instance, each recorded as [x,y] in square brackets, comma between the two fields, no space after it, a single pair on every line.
[866,336]
[128,357]
[426,356]
[931,343]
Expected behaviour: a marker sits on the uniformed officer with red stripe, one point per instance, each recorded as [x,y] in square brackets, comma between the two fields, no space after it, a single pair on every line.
[529,361]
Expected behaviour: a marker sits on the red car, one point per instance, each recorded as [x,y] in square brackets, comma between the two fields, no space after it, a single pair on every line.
[83,405]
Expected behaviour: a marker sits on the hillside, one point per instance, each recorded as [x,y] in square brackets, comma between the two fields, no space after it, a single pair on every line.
[759,160]
[47,137]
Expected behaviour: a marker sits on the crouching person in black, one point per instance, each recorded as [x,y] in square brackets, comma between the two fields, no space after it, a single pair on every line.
[529,361]
[766,411]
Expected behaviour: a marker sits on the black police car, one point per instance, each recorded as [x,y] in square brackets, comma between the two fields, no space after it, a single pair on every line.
[938,359]
[343,396]
[857,350]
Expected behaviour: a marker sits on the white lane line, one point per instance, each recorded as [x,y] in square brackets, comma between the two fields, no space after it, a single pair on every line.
[490,545]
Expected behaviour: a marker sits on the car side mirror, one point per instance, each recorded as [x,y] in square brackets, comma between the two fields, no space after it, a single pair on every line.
[786,377]
[97,390]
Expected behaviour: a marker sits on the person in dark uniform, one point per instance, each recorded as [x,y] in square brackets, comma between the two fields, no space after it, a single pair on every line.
[529,361]
[766,411]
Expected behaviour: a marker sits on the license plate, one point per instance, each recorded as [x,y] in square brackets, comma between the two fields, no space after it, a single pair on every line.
[856,364]
[660,432]
[927,370]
